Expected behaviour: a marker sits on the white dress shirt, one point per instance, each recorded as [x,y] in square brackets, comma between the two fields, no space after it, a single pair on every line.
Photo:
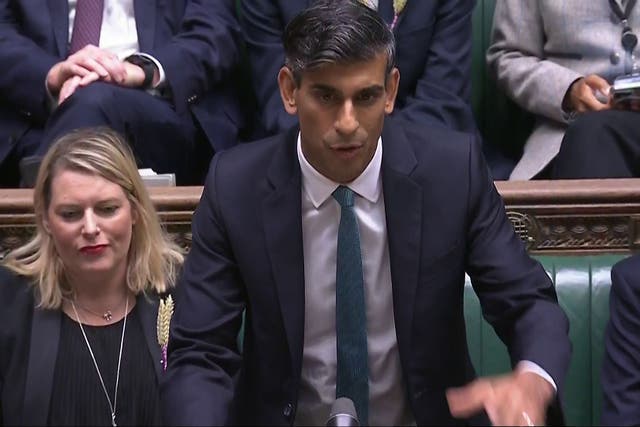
[388,403]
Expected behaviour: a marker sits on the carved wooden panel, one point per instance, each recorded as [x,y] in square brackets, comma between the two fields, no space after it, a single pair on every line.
[604,233]
[575,216]
[12,237]
[549,216]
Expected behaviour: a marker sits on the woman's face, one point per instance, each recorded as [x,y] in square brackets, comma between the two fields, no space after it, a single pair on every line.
[90,221]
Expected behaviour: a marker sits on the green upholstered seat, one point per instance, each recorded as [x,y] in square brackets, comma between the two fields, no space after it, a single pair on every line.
[582,284]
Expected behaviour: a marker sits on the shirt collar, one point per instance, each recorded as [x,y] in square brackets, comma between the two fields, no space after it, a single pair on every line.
[319,188]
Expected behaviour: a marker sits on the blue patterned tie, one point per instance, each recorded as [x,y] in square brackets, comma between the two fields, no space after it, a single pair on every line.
[352,379]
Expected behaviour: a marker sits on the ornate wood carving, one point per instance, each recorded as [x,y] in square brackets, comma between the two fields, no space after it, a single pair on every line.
[544,233]
[575,216]
[550,216]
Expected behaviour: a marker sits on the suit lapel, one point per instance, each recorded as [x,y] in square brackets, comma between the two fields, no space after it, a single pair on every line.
[403,206]
[43,352]
[283,233]
[148,310]
[145,13]
[59,11]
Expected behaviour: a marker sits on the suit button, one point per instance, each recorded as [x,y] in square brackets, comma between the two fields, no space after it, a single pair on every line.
[614,58]
[288,410]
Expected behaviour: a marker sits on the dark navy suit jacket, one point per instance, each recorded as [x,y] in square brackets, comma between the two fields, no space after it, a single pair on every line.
[621,364]
[196,41]
[444,217]
[433,54]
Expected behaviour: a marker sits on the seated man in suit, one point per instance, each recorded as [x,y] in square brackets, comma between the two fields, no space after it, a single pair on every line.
[433,54]
[345,244]
[621,364]
[155,71]
[557,60]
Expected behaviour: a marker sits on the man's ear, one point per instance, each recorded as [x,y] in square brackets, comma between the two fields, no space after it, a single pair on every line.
[287,85]
[391,89]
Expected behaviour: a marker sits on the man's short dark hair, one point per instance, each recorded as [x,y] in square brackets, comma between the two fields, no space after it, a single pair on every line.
[336,31]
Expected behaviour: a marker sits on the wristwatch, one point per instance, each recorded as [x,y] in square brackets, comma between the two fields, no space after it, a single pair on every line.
[147,66]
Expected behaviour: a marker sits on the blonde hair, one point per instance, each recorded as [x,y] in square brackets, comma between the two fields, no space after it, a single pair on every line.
[153,260]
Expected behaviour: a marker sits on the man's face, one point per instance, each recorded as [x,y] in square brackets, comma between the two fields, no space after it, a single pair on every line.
[341,109]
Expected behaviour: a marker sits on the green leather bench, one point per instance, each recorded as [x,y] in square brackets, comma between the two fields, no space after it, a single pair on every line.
[582,284]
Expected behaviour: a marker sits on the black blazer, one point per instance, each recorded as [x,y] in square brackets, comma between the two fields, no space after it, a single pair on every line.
[444,217]
[28,347]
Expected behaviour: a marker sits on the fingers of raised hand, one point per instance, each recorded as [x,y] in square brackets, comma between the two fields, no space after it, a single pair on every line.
[470,399]
[507,400]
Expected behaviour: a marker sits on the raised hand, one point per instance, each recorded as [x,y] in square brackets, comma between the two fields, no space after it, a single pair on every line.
[520,398]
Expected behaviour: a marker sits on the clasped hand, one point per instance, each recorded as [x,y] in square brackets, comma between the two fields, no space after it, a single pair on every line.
[88,65]
[520,398]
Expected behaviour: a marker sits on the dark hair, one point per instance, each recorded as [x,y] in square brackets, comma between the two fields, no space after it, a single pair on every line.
[336,31]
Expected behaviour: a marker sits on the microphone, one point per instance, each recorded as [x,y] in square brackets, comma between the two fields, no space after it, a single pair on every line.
[343,414]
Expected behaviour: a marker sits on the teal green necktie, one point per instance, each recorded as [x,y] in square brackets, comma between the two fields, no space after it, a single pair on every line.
[352,379]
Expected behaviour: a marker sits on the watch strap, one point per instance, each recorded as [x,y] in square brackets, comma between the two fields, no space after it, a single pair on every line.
[147,66]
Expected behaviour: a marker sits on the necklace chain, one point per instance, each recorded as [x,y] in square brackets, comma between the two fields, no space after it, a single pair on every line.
[108,313]
[112,406]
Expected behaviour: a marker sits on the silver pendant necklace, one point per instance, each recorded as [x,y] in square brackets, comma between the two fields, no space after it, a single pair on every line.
[112,406]
[107,315]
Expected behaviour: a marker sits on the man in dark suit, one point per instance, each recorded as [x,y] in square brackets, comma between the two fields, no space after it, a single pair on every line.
[621,363]
[158,72]
[345,245]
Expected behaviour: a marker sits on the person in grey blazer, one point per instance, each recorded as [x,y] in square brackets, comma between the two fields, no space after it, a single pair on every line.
[556,59]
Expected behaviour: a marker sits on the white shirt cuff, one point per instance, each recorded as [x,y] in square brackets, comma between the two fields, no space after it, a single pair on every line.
[528,366]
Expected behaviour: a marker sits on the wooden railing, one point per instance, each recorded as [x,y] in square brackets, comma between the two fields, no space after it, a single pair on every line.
[575,216]
[581,216]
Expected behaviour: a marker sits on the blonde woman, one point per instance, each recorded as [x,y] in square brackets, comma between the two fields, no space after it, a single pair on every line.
[79,302]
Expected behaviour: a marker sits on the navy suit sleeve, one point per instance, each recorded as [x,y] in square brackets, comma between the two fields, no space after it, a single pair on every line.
[263,22]
[203,52]
[24,65]
[204,359]
[517,297]
[621,364]
[443,91]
